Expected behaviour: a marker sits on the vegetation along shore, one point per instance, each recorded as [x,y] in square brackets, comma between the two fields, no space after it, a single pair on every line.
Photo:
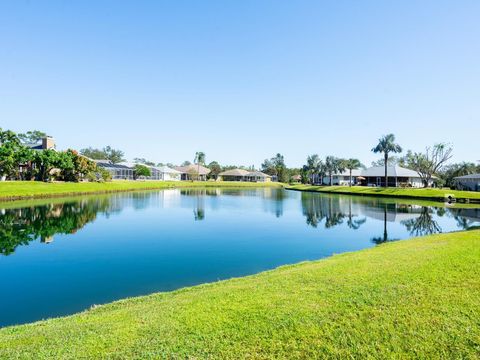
[361,304]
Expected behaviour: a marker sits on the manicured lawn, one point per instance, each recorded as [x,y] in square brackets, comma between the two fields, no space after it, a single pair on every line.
[432,194]
[417,298]
[35,189]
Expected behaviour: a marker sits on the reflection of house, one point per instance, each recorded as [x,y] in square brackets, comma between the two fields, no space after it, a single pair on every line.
[375,176]
[244,175]
[193,172]
[468,182]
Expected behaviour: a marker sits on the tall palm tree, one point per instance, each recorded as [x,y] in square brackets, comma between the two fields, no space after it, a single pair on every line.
[352,164]
[199,159]
[333,165]
[387,145]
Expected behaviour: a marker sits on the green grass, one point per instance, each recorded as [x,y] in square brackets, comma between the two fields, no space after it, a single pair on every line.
[13,190]
[417,298]
[432,194]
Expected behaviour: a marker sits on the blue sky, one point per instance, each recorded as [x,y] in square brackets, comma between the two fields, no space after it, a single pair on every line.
[242,80]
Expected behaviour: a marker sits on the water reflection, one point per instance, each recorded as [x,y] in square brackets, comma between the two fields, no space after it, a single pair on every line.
[21,226]
[24,225]
[332,211]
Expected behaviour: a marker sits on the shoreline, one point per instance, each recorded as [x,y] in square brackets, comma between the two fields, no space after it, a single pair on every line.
[21,190]
[463,197]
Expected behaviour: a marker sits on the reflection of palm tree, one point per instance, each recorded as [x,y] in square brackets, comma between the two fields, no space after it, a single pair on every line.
[380,240]
[422,225]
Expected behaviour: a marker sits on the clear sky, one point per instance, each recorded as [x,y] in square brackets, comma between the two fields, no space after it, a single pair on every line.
[242,80]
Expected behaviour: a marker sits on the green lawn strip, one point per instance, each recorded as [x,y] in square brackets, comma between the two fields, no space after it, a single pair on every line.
[15,190]
[406,299]
[430,194]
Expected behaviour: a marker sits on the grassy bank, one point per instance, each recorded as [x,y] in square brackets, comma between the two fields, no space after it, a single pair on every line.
[408,299]
[428,194]
[15,190]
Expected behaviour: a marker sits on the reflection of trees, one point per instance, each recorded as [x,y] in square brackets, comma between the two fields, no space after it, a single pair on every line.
[423,224]
[317,208]
[21,226]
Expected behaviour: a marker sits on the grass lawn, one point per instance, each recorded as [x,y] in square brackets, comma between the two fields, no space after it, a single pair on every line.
[432,194]
[12,190]
[417,298]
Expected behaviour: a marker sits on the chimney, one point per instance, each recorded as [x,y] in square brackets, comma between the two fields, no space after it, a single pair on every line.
[48,143]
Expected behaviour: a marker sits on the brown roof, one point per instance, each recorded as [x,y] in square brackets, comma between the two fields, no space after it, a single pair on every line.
[234,172]
[193,169]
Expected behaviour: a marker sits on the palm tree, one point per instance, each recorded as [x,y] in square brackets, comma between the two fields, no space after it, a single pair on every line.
[333,165]
[386,145]
[352,164]
[199,159]
[314,165]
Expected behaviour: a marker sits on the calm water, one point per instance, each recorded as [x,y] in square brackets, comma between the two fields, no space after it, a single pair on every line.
[58,257]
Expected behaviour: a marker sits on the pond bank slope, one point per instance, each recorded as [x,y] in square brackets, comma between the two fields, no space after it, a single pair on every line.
[406,299]
[427,194]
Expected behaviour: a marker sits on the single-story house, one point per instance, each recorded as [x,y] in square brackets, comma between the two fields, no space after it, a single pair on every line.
[165,173]
[338,179]
[233,175]
[397,176]
[126,171]
[193,172]
[118,171]
[258,176]
[375,176]
[244,175]
[468,182]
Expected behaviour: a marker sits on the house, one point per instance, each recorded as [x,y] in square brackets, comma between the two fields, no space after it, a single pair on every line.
[193,172]
[244,175]
[342,178]
[375,176]
[126,171]
[397,176]
[47,143]
[468,182]
[165,173]
[118,171]
[233,175]
[258,176]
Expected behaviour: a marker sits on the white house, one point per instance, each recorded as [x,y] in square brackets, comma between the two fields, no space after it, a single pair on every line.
[375,176]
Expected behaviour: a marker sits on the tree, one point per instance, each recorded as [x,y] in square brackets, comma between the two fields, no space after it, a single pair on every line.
[352,164]
[215,169]
[275,166]
[199,160]
[107,153]
[32,136]
[333,165]
[387,145]
[45,160]
[392,161]
[314,166]
[449,172]
[11,153]
[142,170]
[115,156]
[430,162]
[145,162]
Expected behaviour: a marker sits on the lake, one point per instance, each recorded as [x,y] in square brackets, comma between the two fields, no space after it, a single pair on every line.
[61,256]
